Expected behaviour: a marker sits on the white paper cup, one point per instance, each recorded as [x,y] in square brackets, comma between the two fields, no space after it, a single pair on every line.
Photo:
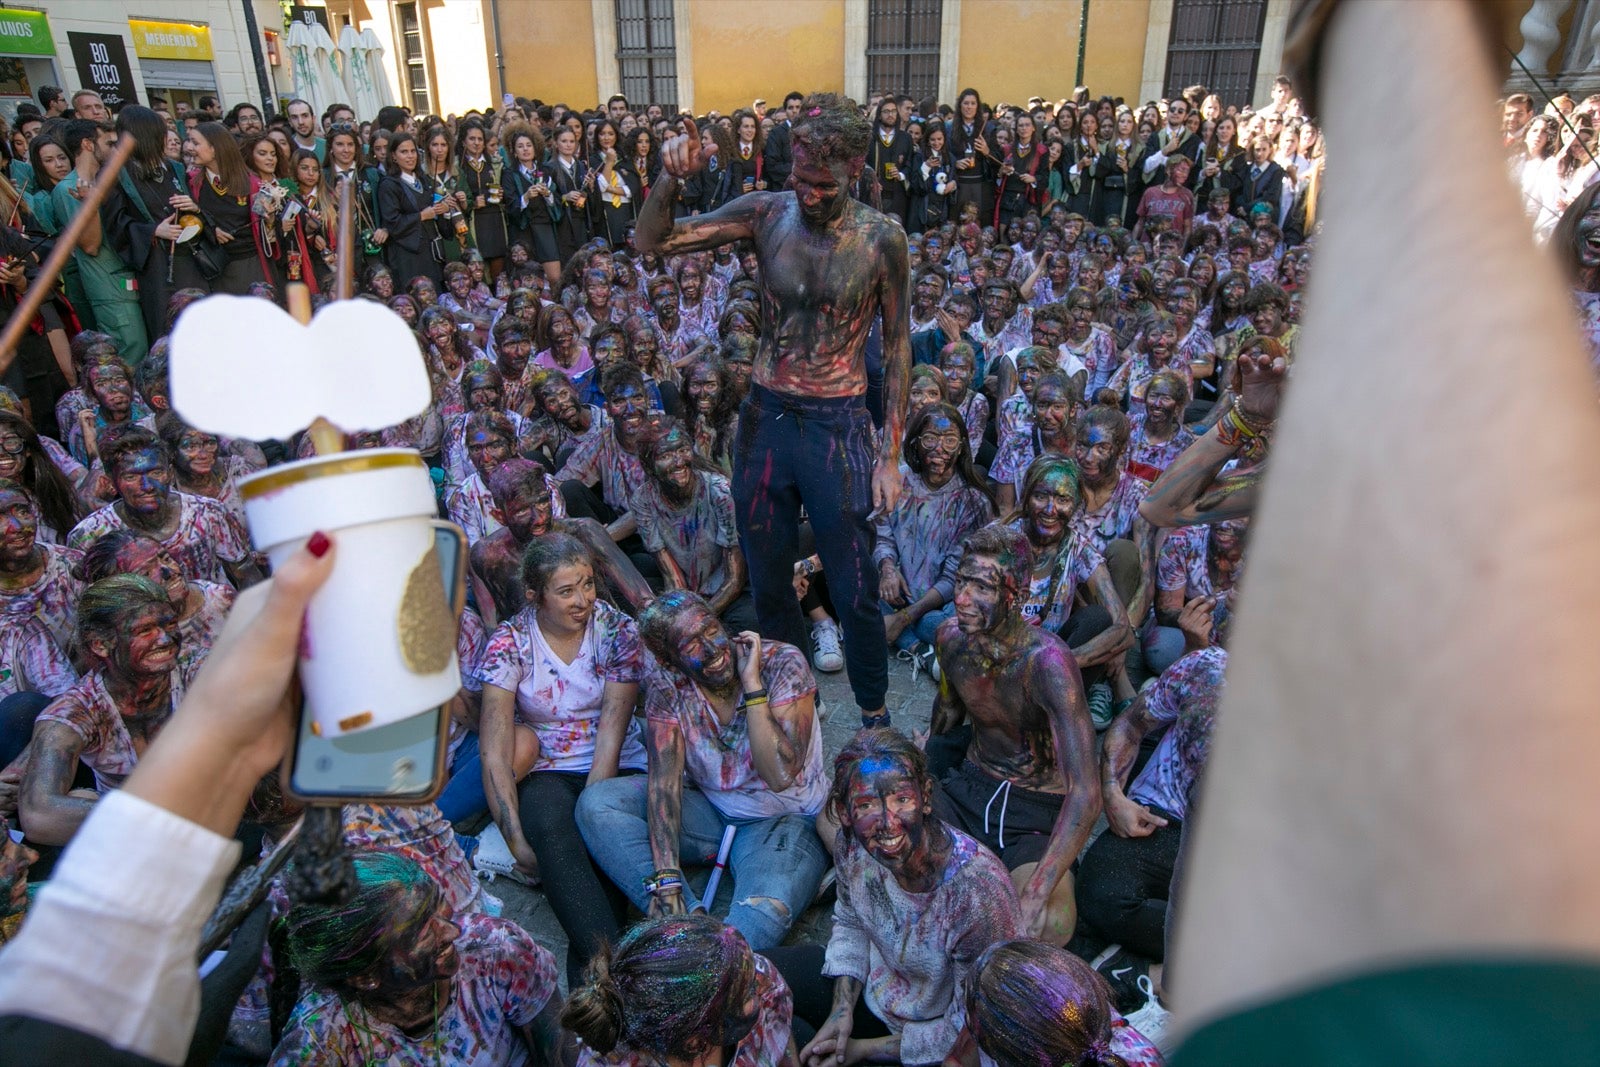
[380,636]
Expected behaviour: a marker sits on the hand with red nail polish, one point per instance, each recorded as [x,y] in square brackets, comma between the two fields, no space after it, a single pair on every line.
[238,717]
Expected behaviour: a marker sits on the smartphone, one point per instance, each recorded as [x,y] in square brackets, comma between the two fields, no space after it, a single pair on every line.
[398,764]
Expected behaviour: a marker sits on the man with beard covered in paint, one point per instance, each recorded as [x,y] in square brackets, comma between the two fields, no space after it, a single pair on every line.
[529,506]
[685,518]
[128,634]
[609,460]
[391,976]
[1032,749]
[207,542]
[735,719]
[830,268]
[919,902]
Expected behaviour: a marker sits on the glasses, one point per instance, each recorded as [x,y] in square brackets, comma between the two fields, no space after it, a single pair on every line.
[948,442]
[199,444]
[11,445]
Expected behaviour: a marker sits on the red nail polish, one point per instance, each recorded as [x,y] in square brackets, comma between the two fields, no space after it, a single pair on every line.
[318,544]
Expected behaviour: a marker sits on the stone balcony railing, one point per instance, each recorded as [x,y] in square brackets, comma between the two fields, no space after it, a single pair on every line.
[1561,47]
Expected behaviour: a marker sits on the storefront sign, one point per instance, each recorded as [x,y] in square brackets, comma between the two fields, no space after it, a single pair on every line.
[102,61]
[170,40]
[25,33]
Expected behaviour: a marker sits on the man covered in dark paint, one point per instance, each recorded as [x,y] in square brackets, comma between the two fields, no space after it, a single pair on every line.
[685,518]
[1027,788]
[528,504]
[830,267]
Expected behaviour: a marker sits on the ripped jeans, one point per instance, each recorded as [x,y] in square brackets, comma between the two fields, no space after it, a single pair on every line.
[775,864]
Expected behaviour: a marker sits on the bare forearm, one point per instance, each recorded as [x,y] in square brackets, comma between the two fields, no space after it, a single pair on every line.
[726,593]
[666,809]
[619,571]
[499,780]
[616,710]
[778,757]
[655,215]
[1398,272]
[1176,498]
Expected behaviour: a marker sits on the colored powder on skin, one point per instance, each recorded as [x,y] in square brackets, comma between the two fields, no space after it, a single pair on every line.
[393,902]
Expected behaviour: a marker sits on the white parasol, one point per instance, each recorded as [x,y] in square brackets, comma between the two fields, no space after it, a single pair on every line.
[311,59]
[360,79]
[372,53]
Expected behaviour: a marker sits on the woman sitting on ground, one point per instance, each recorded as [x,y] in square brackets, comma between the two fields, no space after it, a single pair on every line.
[560,681]
[392,975]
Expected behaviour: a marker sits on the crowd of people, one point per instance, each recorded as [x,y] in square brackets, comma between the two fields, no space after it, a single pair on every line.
[1018,448]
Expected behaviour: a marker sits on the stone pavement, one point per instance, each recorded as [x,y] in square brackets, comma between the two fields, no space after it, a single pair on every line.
[910,702]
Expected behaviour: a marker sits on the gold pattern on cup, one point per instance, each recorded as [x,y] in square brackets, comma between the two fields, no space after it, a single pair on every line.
[427,631]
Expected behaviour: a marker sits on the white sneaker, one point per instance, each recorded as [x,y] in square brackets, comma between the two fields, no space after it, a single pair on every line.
[1151,1020]
[493,858]
[829,655]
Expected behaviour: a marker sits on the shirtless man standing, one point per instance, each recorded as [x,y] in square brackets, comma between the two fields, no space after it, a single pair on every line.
[1027,788]
[829,268]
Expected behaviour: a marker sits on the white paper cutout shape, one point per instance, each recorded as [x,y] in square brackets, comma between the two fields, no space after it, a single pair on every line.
[242,367]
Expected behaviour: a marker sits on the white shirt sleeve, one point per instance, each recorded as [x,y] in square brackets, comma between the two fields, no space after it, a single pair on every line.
[110,946]
[1153,162]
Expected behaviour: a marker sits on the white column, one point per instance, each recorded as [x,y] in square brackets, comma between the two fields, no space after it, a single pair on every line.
[855,50]
[1269,63]
[683,44]
[607,72]
[949,52]
[1540,34]
[1158,34]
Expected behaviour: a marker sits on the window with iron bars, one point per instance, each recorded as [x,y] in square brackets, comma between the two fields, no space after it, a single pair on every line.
[1215,43]
[414,62]
[646,55]
[903,46]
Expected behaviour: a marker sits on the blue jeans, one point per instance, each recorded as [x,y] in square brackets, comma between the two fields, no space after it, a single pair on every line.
[463,796]
[924,629]
[792,451]
[776,863]
[1163,646]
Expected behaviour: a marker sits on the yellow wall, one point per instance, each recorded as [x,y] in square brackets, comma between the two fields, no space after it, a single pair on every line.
[765,49]
[459,35]
[1113,64]
[1014,49]
[548,48]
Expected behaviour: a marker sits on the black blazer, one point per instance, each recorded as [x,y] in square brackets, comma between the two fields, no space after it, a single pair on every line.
[779,157]
[1267,186]
[537,211]
[400,210]
[1233,175]
[1192,147]
[901,152]
[740,170]
[955,141]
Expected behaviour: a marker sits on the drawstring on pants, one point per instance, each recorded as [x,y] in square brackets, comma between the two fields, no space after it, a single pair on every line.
[1003,787]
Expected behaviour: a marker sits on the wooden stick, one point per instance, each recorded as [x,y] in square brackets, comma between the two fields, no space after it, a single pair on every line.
[43,285]
[344,270]
[326,438]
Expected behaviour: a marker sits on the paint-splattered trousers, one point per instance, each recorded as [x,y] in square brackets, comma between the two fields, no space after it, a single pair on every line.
[793,451]
[775,864]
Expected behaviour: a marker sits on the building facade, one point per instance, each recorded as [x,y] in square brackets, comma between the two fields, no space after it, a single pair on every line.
[449,56]
[178,50]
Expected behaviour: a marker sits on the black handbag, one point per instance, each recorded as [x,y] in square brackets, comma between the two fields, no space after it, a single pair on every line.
[209,257]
